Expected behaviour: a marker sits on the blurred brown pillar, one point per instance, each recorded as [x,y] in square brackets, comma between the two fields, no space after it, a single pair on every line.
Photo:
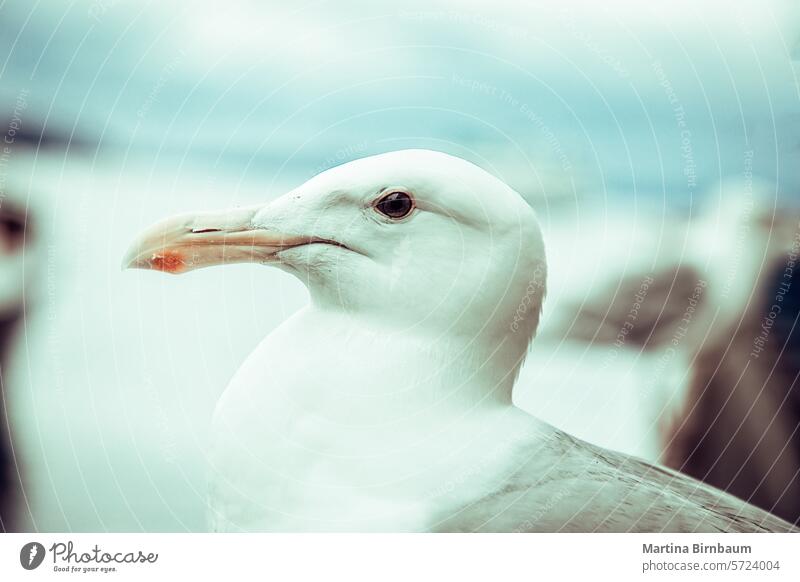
[741,427]
[10,486]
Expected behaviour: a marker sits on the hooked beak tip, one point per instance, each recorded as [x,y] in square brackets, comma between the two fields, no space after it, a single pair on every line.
[187,242]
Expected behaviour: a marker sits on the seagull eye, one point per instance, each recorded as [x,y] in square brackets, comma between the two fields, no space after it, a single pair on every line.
[396,204]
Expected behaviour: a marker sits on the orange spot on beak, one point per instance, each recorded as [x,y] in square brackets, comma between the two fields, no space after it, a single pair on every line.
[168,261]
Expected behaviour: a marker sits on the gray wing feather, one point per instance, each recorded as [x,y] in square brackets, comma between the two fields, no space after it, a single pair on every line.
[589,489]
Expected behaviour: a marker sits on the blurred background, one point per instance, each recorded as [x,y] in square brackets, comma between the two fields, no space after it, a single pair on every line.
[659,142]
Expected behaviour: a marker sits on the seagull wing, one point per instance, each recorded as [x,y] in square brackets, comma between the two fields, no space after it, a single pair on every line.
[588,489]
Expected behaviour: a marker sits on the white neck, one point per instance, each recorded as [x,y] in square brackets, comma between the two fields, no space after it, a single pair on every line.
[425,367]
[355,422]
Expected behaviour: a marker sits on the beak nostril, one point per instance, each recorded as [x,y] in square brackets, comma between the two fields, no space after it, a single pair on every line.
[202,230]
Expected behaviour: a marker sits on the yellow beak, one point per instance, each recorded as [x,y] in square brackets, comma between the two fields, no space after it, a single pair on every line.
[192,241]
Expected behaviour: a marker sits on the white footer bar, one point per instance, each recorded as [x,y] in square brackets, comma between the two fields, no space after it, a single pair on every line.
[389,557]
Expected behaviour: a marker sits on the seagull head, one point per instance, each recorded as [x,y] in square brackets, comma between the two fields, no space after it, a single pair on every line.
[413,238]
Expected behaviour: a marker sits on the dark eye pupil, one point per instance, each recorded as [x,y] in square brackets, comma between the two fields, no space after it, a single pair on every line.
[395,205]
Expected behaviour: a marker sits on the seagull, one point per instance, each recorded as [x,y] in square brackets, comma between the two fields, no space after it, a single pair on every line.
[386,403]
